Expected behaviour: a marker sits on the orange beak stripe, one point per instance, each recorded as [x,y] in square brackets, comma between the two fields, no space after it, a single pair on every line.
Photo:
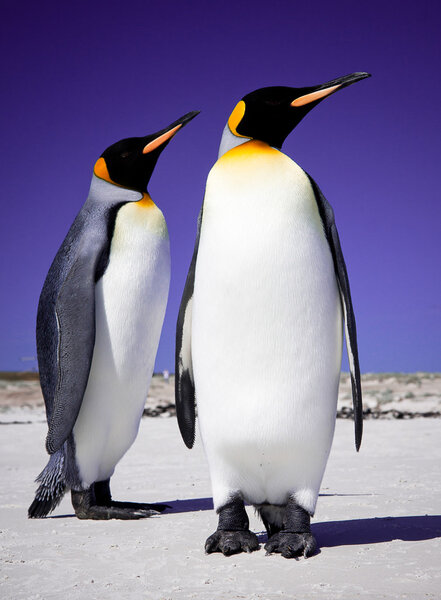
[313,96]
[160,140]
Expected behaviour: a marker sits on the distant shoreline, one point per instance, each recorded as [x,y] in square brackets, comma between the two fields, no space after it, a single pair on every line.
[19,375]
[385,396]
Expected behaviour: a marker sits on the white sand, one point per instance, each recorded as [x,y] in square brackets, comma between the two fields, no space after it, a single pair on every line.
[372,525]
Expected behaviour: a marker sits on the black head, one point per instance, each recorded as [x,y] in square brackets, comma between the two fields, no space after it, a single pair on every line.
[130,162]
[270,114]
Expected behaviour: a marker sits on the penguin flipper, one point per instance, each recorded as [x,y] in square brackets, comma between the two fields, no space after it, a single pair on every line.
[184,383]
[75,318]
[327,217]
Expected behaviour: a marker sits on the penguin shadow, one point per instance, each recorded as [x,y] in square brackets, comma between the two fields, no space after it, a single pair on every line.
[356,532]
[359,532]
[188,505]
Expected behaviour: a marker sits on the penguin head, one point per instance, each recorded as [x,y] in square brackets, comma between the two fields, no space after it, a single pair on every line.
[130,162]
[270,114]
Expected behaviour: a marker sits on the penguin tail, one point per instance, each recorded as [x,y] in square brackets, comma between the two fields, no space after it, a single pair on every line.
[52,487]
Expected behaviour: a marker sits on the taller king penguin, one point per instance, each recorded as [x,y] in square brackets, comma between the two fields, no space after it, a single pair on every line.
[260,328]
[98,325]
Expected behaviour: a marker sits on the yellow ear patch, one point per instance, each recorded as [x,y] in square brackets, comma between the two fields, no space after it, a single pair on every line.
[100,170]
[313,96]
[236,117]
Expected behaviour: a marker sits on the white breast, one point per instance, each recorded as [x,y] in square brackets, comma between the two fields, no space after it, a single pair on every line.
[130,301]
[267,329]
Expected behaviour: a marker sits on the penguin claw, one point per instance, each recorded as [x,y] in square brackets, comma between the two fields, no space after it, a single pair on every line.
[291,545]
[232,542]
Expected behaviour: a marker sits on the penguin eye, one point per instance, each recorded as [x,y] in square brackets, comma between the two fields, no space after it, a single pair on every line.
[125,154]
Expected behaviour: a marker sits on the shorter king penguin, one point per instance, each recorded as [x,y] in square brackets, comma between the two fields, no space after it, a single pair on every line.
[98,325]
[259,333]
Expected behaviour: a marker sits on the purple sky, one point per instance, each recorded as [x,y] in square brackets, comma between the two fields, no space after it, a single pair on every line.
[79,76]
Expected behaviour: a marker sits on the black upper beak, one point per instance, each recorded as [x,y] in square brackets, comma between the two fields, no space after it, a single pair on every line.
[185,119]
[343,81]
[182,122]
[161,138]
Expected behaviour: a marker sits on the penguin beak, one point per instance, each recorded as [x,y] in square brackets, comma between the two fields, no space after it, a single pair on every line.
[165,135]
[326,89]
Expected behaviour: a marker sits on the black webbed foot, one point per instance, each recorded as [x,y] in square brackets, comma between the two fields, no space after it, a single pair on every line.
[291,545]
[233,534]
[96,503]
[232,542]
[139,506]
[100,496]
[294,538]
[109,512]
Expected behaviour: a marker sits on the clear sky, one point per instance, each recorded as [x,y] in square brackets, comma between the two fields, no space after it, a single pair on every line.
[78,76]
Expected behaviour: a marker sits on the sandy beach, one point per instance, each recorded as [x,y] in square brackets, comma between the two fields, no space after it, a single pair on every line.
[378,521]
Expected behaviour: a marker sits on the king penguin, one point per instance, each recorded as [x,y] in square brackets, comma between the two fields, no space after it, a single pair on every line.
[260,328]
[99,320]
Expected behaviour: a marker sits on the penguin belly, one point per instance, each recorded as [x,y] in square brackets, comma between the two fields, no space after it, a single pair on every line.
[266,331]
[130,302]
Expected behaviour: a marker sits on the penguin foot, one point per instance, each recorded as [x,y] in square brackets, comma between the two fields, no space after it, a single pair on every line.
[100,495]
[232,542]
[109,512]
[291,545]
[87,506]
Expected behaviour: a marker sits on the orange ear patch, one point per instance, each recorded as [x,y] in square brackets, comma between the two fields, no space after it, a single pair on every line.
[313,96]
[160,140]
[100,170]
